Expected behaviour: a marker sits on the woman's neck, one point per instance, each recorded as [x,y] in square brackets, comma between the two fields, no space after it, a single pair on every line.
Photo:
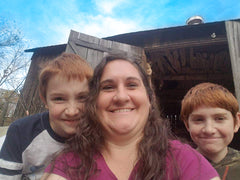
[122,140]
[121,157]
[125,147]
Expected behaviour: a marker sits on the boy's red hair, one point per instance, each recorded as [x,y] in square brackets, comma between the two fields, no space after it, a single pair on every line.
[208,94]
[67,65]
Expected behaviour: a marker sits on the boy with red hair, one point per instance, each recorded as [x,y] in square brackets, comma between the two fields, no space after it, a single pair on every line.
[210,114]
[31,142]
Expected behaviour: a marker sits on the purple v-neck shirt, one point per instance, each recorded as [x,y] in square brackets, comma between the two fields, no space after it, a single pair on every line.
[192,165]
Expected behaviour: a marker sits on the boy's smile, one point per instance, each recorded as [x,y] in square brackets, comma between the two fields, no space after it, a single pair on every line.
[212,129]
[65,101]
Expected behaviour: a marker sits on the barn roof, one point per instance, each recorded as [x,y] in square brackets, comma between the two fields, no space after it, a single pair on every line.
[48,49]
[155,36]
[171,34]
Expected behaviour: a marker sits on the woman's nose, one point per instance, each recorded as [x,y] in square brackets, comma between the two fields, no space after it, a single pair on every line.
[121,95]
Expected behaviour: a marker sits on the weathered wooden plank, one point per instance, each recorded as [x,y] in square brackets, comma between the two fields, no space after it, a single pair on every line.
[93,49]
[185,44]
[202,77]
[105,43]
[29,99]
[88,38]
[173,58]
[113,49]
[93,57]
[73,48]
[233,36]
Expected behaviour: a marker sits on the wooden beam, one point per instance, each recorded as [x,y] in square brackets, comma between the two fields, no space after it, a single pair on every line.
[200,77]
[233,34]
[182,44]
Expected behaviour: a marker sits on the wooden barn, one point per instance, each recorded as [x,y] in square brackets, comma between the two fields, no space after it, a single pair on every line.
[180,57]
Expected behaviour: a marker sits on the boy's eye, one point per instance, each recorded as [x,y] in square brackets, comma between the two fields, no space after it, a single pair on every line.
[82,98]
[197,120]
[58,99]
[219,118]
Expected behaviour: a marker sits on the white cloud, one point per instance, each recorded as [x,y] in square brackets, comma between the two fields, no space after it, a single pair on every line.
[103,26]
[107,6]
[99,26]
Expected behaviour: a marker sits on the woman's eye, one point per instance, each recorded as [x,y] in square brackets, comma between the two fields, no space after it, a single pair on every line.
[132,85]
[107,87]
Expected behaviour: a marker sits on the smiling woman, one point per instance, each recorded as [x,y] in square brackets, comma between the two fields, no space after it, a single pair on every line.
[123,136]
[123,104]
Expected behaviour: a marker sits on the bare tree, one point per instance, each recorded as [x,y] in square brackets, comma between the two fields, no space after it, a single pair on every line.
[14,63]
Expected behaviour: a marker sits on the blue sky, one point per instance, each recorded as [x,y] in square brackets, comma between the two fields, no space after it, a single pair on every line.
[48,22]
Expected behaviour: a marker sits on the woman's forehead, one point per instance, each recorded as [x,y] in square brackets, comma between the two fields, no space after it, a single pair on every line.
[120,68]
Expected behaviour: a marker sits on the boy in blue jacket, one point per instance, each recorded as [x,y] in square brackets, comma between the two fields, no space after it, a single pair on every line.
[32,142]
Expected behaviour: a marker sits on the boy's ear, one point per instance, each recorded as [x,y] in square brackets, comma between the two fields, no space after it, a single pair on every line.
[186,124]
[44,101]
[237,122]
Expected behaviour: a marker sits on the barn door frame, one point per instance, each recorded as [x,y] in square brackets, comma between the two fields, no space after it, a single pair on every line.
[233,36]
[93,49]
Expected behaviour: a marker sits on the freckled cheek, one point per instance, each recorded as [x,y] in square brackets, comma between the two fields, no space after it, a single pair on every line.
[195,130]
[81,107]
[54,116]
[55,111]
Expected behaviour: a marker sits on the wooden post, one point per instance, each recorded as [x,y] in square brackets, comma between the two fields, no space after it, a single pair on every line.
[233,36]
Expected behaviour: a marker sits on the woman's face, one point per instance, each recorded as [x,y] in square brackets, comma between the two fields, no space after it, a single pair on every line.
[122,104]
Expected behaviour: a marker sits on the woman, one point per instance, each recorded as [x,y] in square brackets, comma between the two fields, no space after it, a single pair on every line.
[122,135]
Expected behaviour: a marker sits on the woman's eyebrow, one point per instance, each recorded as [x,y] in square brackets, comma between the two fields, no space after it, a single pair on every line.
[133,78]
[106,81]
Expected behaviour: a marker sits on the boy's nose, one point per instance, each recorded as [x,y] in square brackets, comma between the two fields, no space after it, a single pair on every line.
[72,109]
[209,128]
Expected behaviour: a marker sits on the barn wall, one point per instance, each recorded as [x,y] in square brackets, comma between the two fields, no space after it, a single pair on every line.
[181,57]
[29,101]
[233,34]
[93,49]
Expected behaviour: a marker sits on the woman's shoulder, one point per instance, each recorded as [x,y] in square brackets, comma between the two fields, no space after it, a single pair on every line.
[183,151]
[177,145]
[191,163]
[68,158]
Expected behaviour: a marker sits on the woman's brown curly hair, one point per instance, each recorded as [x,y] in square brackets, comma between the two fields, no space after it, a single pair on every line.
[89,140]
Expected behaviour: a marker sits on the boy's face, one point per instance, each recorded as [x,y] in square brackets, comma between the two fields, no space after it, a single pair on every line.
[65,101]
[212,129]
